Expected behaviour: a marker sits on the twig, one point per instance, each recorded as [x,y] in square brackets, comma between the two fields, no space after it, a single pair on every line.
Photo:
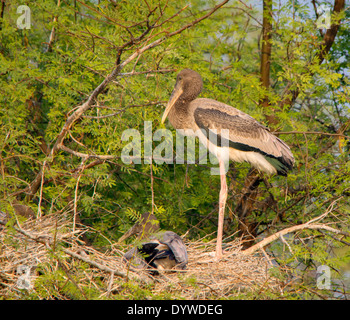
[311,132]
[94,263]
[52,34]
[41,190]
[86,155]
[152,191]
[103,267]
[76,196]
[71,279]
[134,73]
[152,103]
[286,243]
[110,283]
[323,215]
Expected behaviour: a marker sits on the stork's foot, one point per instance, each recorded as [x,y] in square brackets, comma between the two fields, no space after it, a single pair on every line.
[213,256]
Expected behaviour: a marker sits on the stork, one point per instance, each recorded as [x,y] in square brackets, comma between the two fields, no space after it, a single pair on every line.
[246,139]
[157,249]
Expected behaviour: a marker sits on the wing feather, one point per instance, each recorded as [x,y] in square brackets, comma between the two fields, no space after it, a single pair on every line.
[177,246]
[245,133]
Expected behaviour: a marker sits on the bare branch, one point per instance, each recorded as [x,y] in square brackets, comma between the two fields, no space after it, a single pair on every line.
[152,103]
[312,132]
[133,73]
[283,232]
[53,30]
[86,155]
[308,225]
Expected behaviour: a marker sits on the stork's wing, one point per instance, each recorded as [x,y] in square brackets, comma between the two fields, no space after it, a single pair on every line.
[177,246]
[245,133]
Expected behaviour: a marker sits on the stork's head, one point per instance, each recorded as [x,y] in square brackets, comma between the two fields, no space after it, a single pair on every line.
[188,86]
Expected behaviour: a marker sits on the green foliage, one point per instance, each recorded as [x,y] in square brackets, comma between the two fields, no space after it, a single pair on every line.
[42,84]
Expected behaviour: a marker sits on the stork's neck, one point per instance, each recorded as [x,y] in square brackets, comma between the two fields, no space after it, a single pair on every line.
[179,115]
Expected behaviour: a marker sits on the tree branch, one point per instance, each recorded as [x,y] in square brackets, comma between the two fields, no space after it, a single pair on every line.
[86,155]
[308,225]
[80,110]
[312,132]
[283,232]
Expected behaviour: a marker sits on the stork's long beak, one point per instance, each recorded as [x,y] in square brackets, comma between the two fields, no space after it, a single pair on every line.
[177,92]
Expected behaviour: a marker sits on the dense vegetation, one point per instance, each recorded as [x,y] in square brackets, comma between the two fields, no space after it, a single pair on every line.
[87,70]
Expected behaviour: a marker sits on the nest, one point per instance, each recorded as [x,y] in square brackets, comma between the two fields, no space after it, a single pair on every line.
[46,259]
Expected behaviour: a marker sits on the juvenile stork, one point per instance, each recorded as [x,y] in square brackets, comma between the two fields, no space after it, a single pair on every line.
[156,249]
[245,139]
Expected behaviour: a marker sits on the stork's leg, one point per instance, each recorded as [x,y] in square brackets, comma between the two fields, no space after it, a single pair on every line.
[222,203]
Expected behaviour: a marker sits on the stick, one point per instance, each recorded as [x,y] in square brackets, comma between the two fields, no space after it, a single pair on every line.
[283,232]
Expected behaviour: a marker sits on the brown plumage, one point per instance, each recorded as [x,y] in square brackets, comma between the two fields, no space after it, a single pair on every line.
[217,124]
[248,139]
